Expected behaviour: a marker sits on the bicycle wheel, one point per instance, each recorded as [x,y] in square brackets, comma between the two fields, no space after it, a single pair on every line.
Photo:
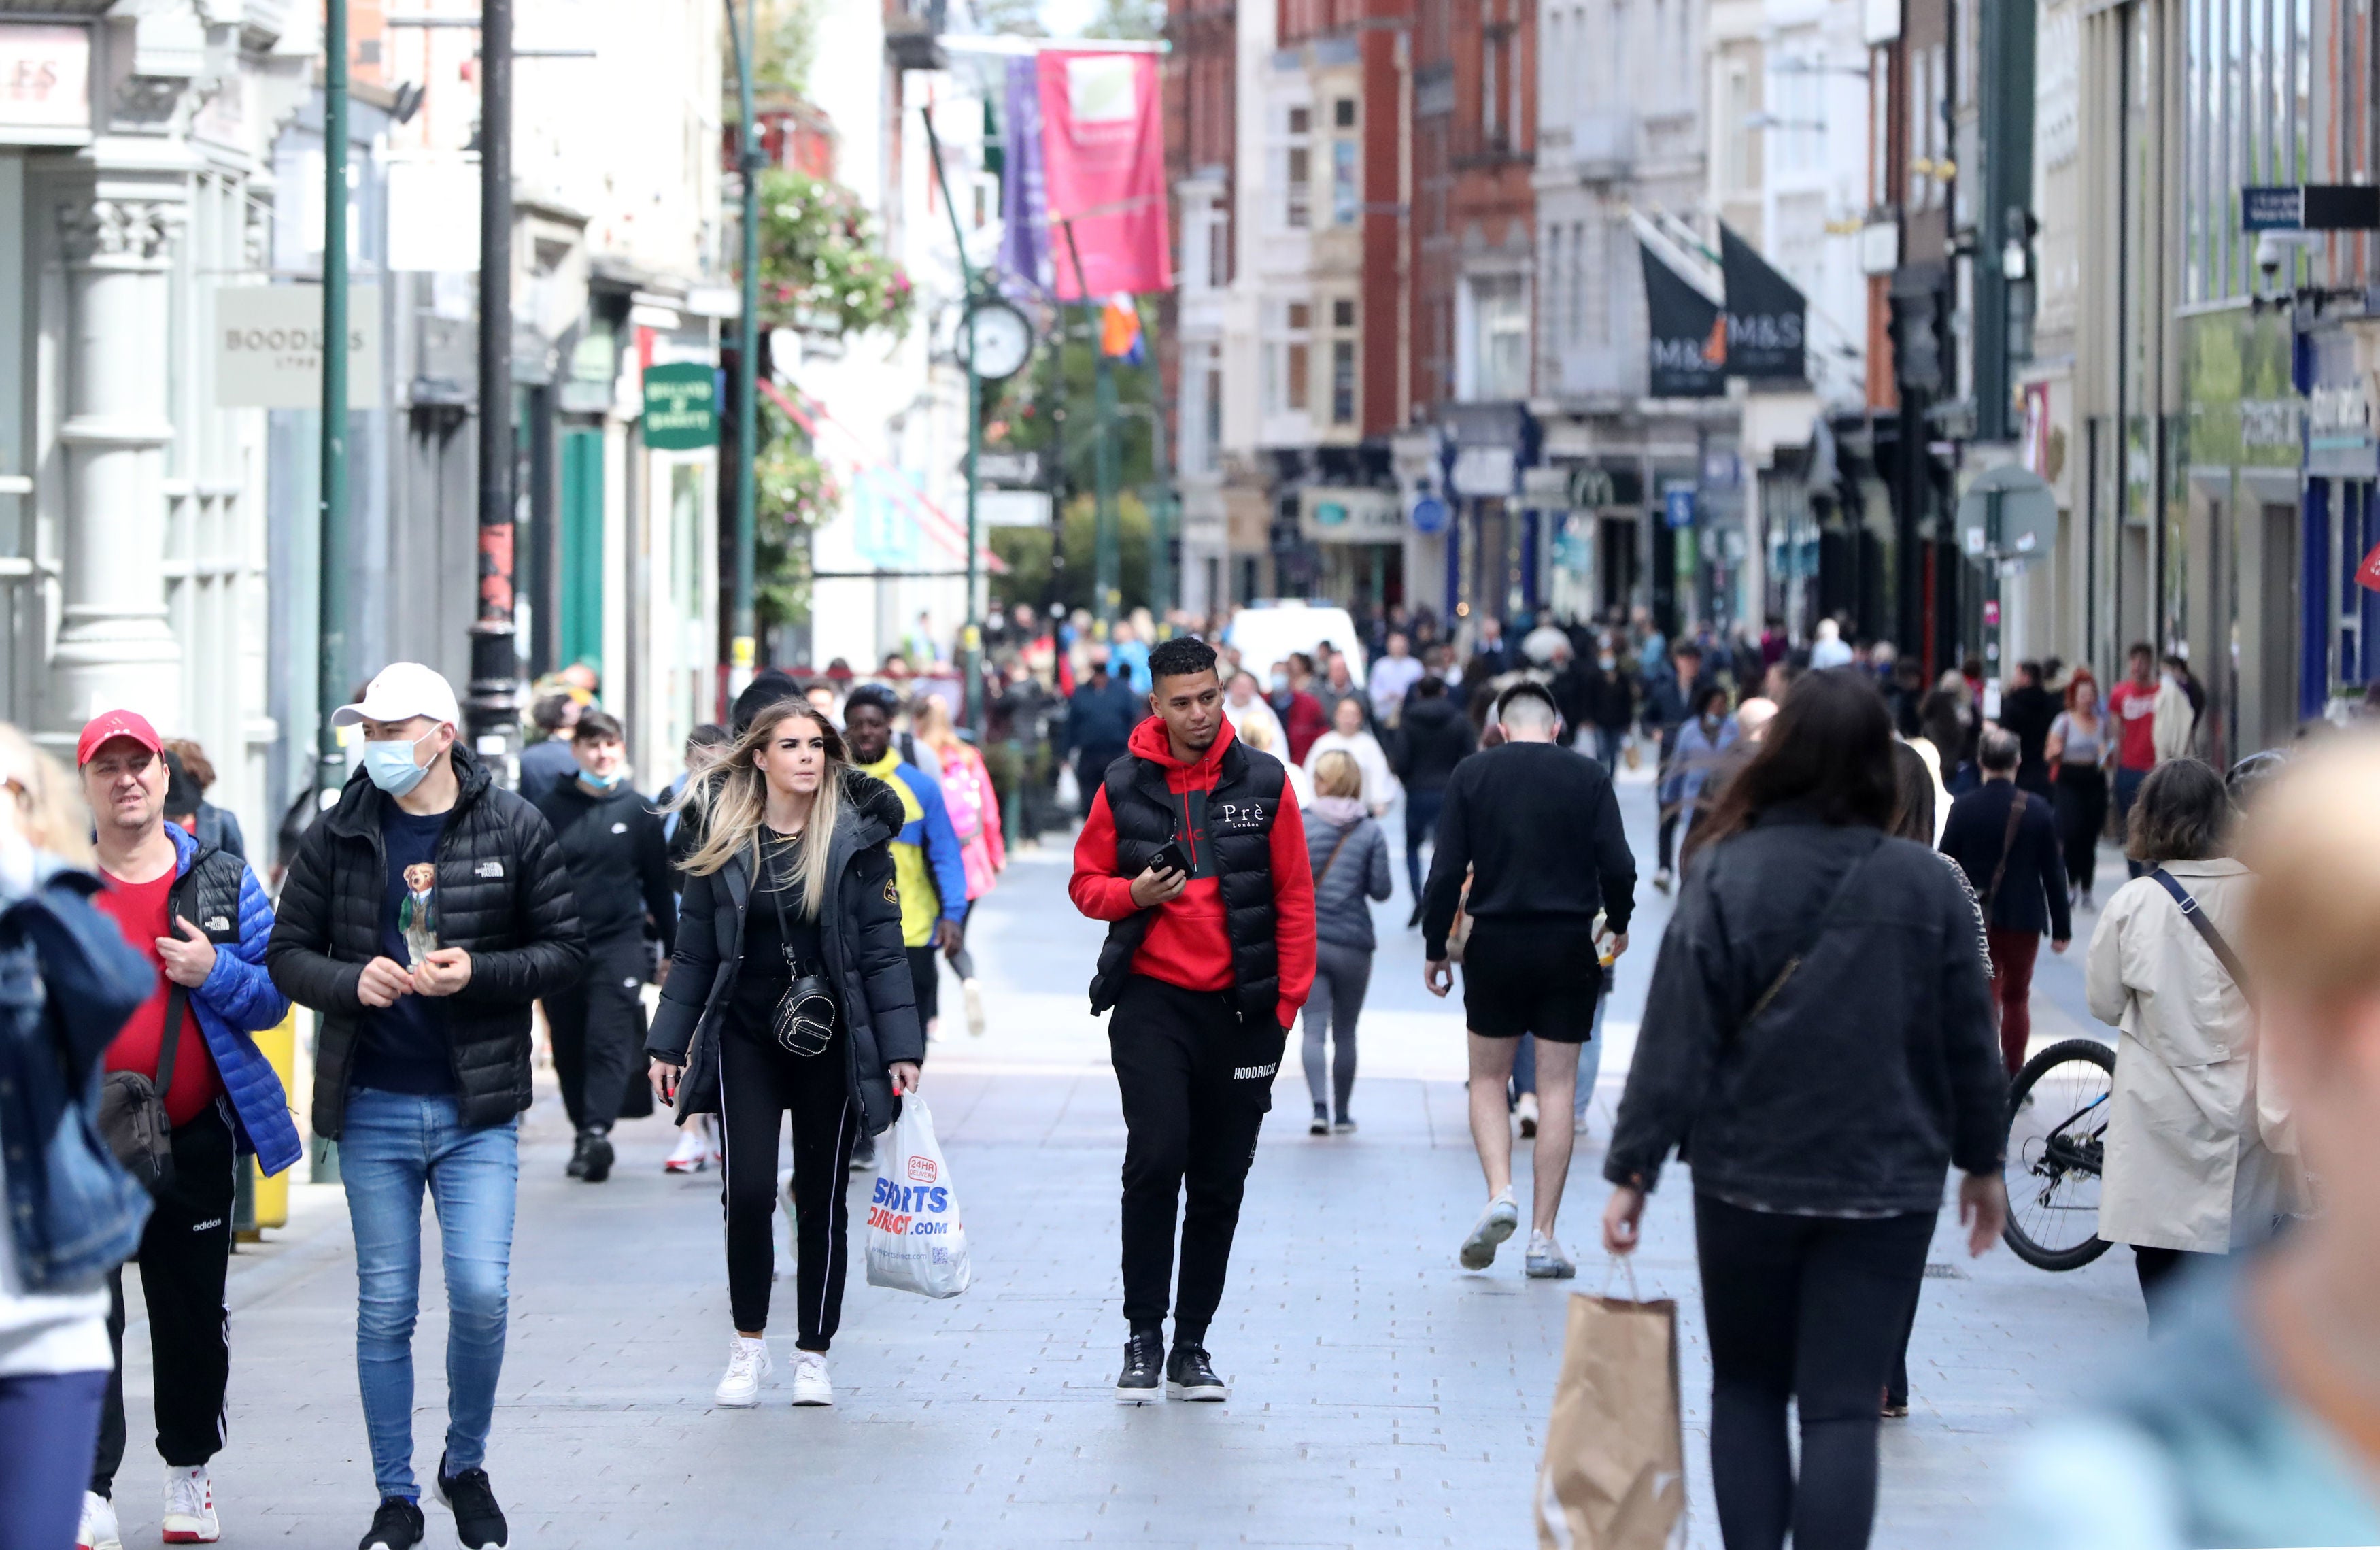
[2058,1127]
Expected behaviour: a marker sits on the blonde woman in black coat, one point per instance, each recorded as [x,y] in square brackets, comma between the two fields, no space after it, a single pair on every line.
[791,890]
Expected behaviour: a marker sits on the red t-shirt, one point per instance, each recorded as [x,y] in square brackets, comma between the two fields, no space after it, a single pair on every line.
[2134,708]
[139,910]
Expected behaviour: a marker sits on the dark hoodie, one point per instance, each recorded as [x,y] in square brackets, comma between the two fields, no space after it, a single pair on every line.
[1186,944]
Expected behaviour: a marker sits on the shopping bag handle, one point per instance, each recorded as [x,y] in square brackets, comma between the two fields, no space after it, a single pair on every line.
[1621,1265]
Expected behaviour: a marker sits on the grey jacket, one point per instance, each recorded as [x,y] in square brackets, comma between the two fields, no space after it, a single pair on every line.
[1360,872]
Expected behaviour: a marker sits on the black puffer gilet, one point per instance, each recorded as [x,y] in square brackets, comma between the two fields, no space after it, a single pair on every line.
[1240,812]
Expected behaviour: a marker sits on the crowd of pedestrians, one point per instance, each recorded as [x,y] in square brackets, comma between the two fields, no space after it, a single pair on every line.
[1863,869]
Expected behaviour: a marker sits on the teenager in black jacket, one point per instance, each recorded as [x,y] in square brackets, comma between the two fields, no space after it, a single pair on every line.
[421,917]
[1432,736]
[1819,1021]
[2005,840]
[619,864]
[792,886]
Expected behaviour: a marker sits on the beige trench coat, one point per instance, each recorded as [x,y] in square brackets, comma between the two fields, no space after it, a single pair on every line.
[2191,1129]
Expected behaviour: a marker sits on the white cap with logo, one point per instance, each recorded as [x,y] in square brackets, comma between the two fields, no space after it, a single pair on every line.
[399,692]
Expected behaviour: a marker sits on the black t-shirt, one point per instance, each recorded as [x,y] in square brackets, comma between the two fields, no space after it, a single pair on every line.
[403,1048]
[761,982]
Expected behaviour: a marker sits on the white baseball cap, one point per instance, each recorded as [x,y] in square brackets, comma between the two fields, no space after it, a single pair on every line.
[399,692]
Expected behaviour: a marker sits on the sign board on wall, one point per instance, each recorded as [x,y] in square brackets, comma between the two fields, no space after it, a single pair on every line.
[1012,508]
[681,406]
[269,347]
[1333,514]
[1484,470]
[44,84]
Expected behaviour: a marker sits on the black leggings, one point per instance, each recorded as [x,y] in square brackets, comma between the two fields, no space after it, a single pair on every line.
[759,1083]
[2082,800]
[1806,1309]
[2165,1283]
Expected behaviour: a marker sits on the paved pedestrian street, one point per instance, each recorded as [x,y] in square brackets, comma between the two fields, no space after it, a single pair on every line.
[1379,1392]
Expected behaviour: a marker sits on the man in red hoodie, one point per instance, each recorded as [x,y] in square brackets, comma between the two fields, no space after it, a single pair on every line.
[1206,964]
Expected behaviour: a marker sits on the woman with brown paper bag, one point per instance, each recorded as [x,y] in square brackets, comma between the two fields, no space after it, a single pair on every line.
[1819,1020]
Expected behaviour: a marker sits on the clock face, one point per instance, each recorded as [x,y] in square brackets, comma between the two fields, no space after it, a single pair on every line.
[997,339]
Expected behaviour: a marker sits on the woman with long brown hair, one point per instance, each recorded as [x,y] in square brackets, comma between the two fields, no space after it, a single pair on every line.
[1820,1020]
[788,993]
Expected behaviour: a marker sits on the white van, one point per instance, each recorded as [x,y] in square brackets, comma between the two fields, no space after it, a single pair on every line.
[1267,632]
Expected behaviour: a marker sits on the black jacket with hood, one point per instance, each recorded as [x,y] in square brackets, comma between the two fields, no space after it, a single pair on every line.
[504,896]
[1875,1066]
[860,933]
[1432,737]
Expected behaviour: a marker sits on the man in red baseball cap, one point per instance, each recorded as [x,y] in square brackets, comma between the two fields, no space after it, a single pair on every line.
[202,918]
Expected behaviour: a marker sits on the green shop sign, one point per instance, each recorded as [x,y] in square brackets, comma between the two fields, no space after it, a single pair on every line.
[681,407]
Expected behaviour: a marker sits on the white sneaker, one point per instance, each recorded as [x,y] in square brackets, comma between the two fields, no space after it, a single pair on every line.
[747,1363]
[189,1508]
[973,992]
[98,1531]
[811,1385]
[692,1152]
[1546,1260]
[1495,1224]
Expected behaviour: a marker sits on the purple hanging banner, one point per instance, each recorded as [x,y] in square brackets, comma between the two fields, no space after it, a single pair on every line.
[1024,203]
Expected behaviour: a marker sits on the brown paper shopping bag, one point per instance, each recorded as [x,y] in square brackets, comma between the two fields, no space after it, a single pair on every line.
[1614,1475]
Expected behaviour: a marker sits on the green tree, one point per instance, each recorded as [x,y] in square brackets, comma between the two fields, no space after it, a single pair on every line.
[1037,577]
[1120,19]
[793,494]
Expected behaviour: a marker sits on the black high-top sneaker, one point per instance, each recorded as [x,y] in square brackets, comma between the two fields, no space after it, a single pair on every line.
[577,1168]
[1189,1374]
[1144,1360]
[599,1158]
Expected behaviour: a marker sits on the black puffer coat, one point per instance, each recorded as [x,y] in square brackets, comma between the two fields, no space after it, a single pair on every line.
[502,896]
[859,930]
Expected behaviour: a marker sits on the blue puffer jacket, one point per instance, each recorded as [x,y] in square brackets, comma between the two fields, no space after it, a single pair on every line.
[238,998]
[67,981]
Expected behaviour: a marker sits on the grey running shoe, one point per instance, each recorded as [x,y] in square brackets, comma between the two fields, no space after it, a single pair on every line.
[1546,1260]
[1495,1224]
[1344,1126]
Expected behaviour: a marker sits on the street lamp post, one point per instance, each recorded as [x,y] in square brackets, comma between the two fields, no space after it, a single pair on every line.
[1106,560]
[330,636]
[492,710]
[749,160]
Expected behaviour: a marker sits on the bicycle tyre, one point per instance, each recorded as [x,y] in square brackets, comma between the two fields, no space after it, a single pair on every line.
[2039,1255]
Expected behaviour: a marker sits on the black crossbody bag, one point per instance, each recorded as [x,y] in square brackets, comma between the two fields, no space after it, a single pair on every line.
[804,1021]
[132,1107]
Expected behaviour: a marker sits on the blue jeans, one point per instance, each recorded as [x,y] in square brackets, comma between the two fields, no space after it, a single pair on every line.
[49,1424]
[393,1144]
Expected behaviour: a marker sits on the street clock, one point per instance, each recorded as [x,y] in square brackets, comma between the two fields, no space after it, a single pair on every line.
[997,338]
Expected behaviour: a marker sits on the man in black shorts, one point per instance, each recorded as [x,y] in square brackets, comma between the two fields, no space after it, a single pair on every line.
[1536,829]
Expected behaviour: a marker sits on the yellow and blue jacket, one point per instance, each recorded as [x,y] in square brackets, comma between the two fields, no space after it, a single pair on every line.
[926,862]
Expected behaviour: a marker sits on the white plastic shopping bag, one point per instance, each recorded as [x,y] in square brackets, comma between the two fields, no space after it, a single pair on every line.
[916,1241]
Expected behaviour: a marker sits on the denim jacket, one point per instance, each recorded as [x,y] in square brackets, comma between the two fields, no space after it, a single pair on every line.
[67,981]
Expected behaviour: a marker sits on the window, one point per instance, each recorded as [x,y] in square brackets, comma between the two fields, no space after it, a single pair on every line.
[1342,113]
[1880,128]
[1742,169]
[1490,50]
[1343,182]
[1211,441]
[1342,381]
[1499,342]
[1343,314]
[1296,353]
[1298,187]
[1218,248]
[1556,323]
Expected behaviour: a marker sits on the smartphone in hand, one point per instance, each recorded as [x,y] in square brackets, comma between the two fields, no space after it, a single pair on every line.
[1170,857]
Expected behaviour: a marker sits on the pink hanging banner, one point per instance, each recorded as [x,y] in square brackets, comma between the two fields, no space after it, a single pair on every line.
[1103,155]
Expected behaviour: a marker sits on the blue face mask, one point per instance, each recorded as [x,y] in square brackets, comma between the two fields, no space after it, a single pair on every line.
[391,765]
[602,785]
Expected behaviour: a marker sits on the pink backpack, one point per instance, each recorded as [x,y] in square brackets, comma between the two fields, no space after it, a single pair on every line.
[963,796]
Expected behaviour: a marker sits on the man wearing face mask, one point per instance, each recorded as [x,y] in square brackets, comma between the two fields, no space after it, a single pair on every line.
[421,917]
[618,859]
